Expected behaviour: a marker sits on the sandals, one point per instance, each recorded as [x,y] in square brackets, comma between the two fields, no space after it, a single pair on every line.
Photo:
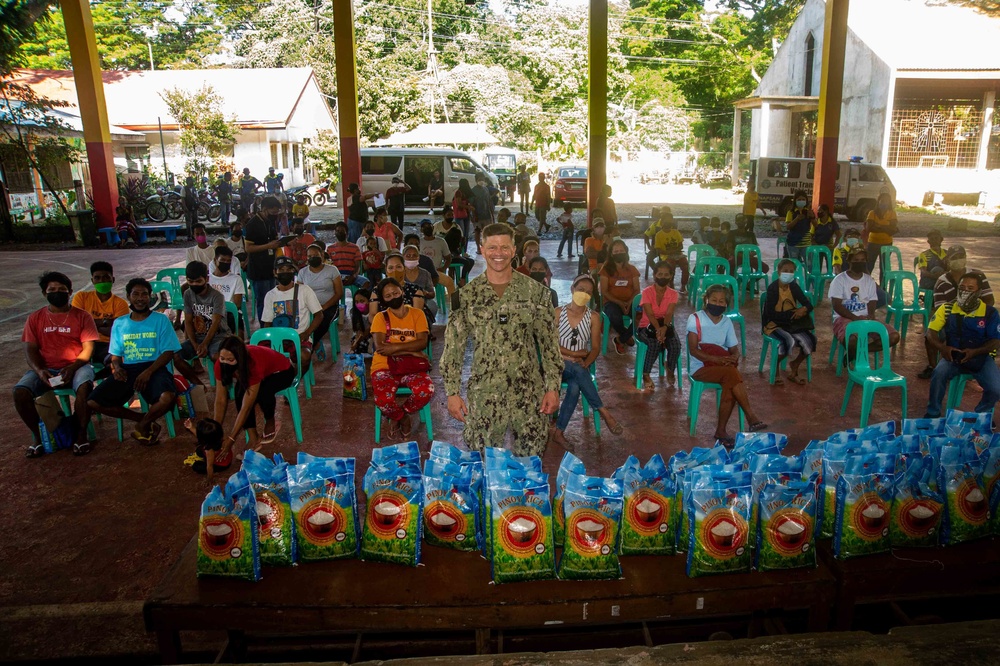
[268,437]
[756,425]
[648,385]
[795,379]
[406,426]
[35,450]
[152,438]
[81,448]
[726,441]
[617,428]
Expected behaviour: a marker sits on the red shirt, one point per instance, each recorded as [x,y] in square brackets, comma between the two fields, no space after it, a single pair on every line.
[264,362]
[60,336]
[345,256]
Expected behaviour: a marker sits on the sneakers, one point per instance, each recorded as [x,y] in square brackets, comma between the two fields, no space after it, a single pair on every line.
[927,372]
[619,347]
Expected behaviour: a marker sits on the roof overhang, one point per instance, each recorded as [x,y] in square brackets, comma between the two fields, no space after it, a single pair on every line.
[951,74]
[797,103]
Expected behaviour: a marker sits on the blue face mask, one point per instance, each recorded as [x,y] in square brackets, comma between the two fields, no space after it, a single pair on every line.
[786,278]
[800,204]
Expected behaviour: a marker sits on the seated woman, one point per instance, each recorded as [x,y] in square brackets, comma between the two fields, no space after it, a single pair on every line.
[258,373]
[579,329]
[412,294]
[715,354]
[786,318]
[538,270]
[656,324]
[419,282]
[619,285]
[400,335]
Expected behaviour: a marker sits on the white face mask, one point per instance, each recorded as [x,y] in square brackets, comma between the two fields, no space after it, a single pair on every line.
[411,263]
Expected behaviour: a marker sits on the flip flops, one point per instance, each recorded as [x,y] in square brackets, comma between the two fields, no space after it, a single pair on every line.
[756,425]
[152,439]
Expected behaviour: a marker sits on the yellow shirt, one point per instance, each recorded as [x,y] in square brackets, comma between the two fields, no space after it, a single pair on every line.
[112,308]
[668,242]
[879,227]
[750,200]
[300,210]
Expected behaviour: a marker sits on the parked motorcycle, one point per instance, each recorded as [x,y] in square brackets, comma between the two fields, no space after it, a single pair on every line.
[294,193]
[208,207]
[323,194]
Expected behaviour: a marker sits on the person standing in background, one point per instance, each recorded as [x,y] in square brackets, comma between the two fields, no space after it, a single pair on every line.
[395,198]
[248,190]
[524,188]
[224,190]
[880,227]
[750,201]
[541,200]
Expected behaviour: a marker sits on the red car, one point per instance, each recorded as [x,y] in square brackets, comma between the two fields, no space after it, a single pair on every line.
[570,185]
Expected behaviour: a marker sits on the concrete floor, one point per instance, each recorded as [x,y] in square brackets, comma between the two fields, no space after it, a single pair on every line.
[102,530]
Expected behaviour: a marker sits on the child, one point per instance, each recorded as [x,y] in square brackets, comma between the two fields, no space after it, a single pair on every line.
[374,261]
[209,454]
[359,321]
[566,222]
[300,211]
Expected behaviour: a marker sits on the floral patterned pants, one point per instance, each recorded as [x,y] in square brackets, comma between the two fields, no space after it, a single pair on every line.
[384,385]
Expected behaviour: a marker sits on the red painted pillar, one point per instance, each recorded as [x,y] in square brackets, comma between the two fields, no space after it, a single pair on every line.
[93,110]
[347,97]
[831,90]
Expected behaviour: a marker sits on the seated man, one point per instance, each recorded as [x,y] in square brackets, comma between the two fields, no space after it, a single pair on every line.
[205,323]
[142,346]
[289,305]
[58,341]
[436,249]
[971,338]
[296,248]
[201,250]
[223,280]
[347,258]
[103,306]
[854,297]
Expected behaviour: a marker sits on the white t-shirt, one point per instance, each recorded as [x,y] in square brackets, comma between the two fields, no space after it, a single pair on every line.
[277,302]
[363,244]
[234,267]
[722,334]
[237,246]
[228,285]
[437,249]
[205,255]
[855,294]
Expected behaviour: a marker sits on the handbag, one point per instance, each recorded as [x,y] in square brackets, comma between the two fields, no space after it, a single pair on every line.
[400,366]
[289,320]
[708,347]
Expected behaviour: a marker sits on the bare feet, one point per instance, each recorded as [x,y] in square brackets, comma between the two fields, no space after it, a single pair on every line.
[647,383]
[560,439]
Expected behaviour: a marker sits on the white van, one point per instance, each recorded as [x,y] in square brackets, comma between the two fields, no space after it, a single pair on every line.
[416,166]
[857,189]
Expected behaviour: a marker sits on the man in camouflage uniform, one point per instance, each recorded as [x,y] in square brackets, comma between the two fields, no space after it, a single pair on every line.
[511,321]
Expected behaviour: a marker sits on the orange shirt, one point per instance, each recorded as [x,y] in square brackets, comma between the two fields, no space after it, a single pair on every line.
[598,245]
[403,330]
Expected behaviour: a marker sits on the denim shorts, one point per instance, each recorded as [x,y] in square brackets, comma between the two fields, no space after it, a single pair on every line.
[32,382]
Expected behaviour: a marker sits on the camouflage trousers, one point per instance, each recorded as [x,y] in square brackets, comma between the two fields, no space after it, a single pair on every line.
[491,416]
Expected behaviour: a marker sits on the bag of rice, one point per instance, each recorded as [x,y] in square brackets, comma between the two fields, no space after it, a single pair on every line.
[864,496]
[394,492]
[976,427]
[569,466]
[991,475]
[593,510]
[520,526]
[750,443]
[923,426]
[768,469]
[276,528]
[324,507]
[444,452]
[718,508]
[967,507]
[678,465]
[834,458]
[227,532]
[648,525]
[918,506]
[450,506]
[786,534]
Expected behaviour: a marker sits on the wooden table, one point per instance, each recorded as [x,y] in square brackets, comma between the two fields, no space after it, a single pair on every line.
[452,592]
[909,574]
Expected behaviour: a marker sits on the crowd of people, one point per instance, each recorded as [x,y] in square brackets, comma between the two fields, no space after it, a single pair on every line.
[528,350]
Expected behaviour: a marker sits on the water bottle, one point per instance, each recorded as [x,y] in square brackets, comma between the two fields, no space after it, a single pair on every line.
[43,432]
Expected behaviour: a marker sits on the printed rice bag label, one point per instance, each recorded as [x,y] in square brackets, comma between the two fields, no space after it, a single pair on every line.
[446,453]
[918,507]
[648,517]
[569,466]
[678,466]
[967,506]
[521,527]
[276,527]
[863,506]
[393,516]
[324,506]
[768,469]
[975,427]
[450,506]
[227,532]
[719,518]
[786,536]
[593,511]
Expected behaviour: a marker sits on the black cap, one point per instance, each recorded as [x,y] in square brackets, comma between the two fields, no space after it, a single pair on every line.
[283,261]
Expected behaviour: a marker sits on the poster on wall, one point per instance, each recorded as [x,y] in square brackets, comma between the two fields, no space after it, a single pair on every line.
[25,209]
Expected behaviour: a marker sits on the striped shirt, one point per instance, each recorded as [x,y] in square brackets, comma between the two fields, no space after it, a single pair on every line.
[575,338]
[345,256]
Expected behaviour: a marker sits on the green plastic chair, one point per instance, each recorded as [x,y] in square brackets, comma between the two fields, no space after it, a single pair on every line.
[698,389]
[606,333]
[770,346]
[816,277]
[956,389]
[705,266]
[733,312]
[641,348]
[320,350]
[860,372]
[746,275]
[65,395]
[425,416]
[459,270]
[888,255]
[353,288]
[779,243]
[800,273]
[172,275]
[309,378]
[168,418]
[441,296]
[175,301]
[583,400]
[898,307]
[277,337]
[698,251]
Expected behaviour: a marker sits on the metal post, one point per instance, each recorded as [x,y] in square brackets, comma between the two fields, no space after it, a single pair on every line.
[737,128]
[163,151]
[347,97]
[989,100]
[831,90]
[597,106]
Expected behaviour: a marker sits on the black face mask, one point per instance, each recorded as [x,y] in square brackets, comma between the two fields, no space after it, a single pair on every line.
[198,288]
[620,257]
[715,310]
[341,236]
[394,304]
[237,235]
[225,266]
[315,262]
[137,310]
[858,266]
[285,279]
[538,275]
[58,299]
[661,282]
[273,218]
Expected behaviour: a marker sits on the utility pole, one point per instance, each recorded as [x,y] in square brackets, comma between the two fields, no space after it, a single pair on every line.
[432,67]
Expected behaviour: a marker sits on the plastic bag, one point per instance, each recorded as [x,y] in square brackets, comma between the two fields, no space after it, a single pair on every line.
[569,466]
[227,532]
[520,525]
[864,505]
[786,533]
[276,534]
[325,508]
[394,522]
[918,506]
[450,506]
[592,509]
[648,517]
[718,510]
[355,379]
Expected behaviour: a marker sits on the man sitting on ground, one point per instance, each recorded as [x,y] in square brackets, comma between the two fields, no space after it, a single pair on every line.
[854,298]
[971,338]
[347,258]
[103,306]
[142,346]
[204,315]
[289,305]
[58,341]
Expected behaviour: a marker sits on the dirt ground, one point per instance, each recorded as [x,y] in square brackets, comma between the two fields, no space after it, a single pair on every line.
[89,538]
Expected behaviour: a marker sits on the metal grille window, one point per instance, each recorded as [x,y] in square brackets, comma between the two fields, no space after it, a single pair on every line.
[274,154]
[284,156]
[295,155]
[935,134]
[16,170]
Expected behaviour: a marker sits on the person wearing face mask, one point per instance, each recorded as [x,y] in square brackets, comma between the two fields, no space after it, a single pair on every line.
[261,240]
[854,296]
[58,343]
[256,375]
[715,355]
[418,281]
[201,250]
[205,323]
[595,248]
[619,281]
[825,230]
[931,264]
[798,223]
[236,243]
[850,241]
[223,280]
[400,334]
[880,227]
[579,329]
[529,251]
[360,325]
[357,211]
[436,249]
[143,344]
[786,319]
[538,270]
[325,281]
[289,305]
[347,258]
[102,305]
[297,247]
[656,324]
[452,235]
[946,287]
[369,232]
[967,335]
[390,234]
[395,268]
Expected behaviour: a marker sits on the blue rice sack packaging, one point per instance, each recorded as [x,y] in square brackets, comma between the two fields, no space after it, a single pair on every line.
[747,444]
[276,526]
[444,452]
[569,466]
[227,532]
[355,377]
[977,427]
[648,516]
[324,508]
[967,507]
[718,507]
[592,509]
[496,463]
[918,506]
[678,465]
[835,458]
[923,427]
[771,469]
[786,531]
[394,492]
[450,506]
[865,492]
[991,475]
[521,546]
